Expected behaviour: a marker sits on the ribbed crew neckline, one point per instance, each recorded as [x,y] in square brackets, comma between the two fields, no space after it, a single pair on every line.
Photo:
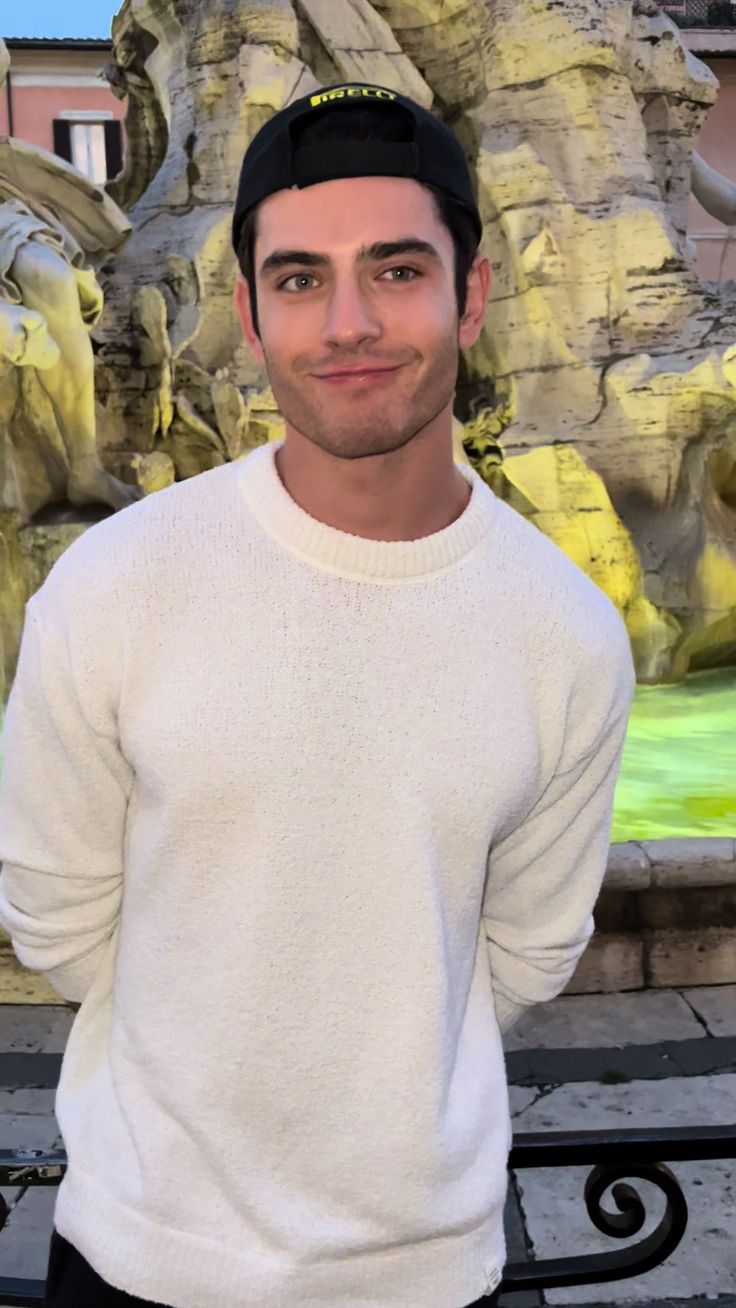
[356,556]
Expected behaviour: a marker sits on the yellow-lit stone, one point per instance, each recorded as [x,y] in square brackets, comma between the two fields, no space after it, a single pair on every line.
[713,581]
[18,985]
[154,471]
[554,488]
[572,507]
[14,592]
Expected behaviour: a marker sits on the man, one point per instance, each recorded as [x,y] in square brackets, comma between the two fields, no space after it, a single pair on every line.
[332,746]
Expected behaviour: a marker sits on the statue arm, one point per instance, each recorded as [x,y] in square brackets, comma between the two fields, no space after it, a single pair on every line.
[56,191]
[545,875]
[63,801]
[716,193]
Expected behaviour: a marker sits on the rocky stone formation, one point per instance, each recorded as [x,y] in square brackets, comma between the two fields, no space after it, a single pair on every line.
[174,376]
[615,364]
[599,400]
[54,224]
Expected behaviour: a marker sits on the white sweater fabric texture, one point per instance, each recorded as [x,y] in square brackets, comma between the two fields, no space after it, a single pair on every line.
[305,821]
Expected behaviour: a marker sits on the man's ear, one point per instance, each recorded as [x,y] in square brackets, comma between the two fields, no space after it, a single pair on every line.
[479,285]
[241,298]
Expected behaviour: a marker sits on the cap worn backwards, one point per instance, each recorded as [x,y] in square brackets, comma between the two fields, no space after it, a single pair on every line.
[274,161]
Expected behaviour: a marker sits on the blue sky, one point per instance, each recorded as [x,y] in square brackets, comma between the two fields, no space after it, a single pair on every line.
[51,18]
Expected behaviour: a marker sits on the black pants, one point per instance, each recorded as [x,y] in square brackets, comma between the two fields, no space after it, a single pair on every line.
[72,1283]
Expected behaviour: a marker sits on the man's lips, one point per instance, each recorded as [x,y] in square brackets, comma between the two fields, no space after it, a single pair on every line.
[346,376]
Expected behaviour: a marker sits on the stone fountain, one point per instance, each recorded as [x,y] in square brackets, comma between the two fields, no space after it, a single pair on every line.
[600,400]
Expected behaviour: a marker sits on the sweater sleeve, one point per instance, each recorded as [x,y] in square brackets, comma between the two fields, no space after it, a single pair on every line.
[63,801]
[545,875]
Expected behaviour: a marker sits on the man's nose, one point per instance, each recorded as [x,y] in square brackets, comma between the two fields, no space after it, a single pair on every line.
[349,317]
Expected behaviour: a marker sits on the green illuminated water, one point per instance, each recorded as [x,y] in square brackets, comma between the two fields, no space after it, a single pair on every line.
[678,773]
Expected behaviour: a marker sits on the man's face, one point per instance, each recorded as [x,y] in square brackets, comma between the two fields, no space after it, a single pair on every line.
[339,309]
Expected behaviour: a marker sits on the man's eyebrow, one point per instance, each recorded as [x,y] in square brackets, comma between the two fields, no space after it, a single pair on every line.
[366,253]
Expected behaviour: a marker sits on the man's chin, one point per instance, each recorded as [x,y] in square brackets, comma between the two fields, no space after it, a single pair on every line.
[347,443]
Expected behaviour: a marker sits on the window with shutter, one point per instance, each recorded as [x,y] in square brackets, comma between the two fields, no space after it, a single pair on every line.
[63,139]
[114,147]
[92,142]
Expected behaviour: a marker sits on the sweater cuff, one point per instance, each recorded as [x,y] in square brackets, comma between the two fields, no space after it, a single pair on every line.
[507,1012]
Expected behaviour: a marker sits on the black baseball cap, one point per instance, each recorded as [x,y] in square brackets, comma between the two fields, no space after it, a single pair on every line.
[274,161]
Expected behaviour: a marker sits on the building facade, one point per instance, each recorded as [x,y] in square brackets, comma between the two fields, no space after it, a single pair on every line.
[55,97]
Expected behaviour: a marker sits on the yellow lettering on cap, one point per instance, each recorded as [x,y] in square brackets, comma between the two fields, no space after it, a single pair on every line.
[338,93]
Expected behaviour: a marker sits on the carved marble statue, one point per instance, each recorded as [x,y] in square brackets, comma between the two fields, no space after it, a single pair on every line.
[51,221]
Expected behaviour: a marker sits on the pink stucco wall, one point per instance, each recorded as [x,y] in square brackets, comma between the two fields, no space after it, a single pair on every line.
[44,81]
[717,145]
[35,107]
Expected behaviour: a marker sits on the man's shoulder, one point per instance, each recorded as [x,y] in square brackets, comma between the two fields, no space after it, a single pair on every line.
[566,606]
[110,554]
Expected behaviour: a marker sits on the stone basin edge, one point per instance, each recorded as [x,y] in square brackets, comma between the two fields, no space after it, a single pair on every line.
[678,861]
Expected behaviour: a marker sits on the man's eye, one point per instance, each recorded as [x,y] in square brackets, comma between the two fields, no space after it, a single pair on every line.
[294,276]
[402,268]
[405,269]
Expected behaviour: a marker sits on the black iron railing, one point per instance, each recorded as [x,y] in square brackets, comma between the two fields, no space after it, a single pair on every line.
[617,1158]
[701,13]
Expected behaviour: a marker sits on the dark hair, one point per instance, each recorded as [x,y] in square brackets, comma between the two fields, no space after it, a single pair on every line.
[370,124]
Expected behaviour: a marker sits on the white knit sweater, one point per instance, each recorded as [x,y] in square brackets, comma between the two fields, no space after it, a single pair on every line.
[303,819]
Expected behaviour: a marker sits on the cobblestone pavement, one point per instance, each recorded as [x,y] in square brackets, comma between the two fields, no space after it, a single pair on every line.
[642,1058]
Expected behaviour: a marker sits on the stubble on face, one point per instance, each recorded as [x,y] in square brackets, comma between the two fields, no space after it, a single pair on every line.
[415,326]
[357,422]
